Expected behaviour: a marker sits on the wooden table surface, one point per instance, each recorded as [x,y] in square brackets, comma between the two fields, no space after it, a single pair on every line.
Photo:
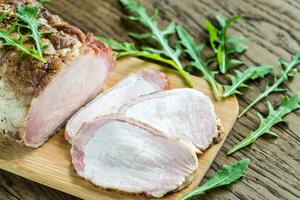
[273,29]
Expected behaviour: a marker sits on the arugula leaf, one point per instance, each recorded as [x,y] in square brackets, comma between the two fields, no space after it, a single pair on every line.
[241,77]
[160,36]
[274,117]
[12,36]
[129,49]
[194,51]
[6,36]
[123,49]
[287,70]
[28,15]
[223,45]
[224,176]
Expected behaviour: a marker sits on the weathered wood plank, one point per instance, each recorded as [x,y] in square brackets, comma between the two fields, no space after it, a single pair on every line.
[273,30]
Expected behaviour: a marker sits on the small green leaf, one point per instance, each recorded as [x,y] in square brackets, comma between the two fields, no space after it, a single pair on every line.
[222,20]
[274,117]
[235,39]
[213,34]
[232,19]
[234,62]
[285,73]
[140,36]
[170,29]
[152,50]
[241,77]
[224,176]
[5,35]
[117,46]
[237,48]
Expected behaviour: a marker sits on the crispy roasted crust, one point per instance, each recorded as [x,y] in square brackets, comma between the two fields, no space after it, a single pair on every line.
[221,132]
[27,76]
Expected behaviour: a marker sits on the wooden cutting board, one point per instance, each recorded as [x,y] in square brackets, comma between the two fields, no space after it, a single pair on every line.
[51,164]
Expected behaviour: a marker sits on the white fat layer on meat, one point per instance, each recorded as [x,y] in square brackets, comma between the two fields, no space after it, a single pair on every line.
[111,101]
[129,158]
[13,110]
[182,113]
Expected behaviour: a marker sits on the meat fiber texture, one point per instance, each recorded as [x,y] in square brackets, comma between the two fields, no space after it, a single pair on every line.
[37,98]
[126,155]
[109,102]
[186,114]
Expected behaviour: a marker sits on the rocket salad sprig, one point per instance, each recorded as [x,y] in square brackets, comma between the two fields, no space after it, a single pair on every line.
[129,49]
[12,36]
[274,117]
[138,13]
[223,45]
[239,80]
[287,70]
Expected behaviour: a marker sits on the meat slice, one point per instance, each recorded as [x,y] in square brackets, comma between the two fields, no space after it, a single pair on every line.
[37,98]
[187,114]
[125,155]
[110,102]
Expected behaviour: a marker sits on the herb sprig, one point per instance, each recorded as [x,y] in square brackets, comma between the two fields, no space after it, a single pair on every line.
[274,117]
[194,52]
[287,70]
[239,80]
[139,14]
[224,176]
[28,15]
[223,45]
[12,36]
[129,49]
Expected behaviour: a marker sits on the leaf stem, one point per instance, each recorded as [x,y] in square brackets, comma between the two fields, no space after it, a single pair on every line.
[170,52]
[207,76]
[255,135]
[157,58]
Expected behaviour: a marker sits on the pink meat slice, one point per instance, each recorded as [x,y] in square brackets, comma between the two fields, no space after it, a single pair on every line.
[109,102]
[125,155]
[186,114]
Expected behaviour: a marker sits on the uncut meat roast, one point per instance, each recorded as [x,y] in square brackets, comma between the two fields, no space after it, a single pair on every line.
[38,97]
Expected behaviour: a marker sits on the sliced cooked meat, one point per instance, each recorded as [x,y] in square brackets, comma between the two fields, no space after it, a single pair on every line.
[37,98]
[187,114]
[110,102]
[125,155]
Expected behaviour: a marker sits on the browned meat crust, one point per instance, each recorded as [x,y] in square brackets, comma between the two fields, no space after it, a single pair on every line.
[27,76]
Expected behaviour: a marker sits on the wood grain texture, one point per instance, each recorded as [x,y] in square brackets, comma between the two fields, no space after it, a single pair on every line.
[273,29]
[51,165]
